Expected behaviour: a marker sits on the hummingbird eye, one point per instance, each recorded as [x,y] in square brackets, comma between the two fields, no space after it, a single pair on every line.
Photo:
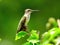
[28,10]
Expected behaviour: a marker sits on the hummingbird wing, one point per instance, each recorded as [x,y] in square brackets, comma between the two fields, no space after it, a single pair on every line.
[21,25]
[21,28]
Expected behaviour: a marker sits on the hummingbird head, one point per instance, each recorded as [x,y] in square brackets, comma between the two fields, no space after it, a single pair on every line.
[29,11]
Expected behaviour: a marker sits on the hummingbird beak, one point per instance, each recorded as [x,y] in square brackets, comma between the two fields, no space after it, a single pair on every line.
[35,10]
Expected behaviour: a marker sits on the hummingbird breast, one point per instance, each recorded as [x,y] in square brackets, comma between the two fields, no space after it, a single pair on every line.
[27,19]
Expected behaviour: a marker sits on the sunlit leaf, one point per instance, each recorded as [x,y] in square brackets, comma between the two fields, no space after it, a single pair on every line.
[20,35]
[34,37]
[27,43]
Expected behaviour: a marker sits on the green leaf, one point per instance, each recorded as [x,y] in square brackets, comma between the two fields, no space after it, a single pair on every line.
[20,35]
[27,43]
[34,37]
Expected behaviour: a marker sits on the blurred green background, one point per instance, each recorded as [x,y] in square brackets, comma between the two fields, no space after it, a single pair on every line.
[11,12]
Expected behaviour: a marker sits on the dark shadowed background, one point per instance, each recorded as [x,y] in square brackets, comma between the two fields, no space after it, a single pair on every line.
[11,12]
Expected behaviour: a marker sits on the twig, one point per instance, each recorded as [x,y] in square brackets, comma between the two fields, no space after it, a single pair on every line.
[58,21]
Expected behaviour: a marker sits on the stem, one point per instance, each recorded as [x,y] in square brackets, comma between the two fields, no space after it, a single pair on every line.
[58,21]
[33,43]
[58,41]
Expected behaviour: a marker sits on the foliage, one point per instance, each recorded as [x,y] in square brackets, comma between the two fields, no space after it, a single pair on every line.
[51,37]
[33,38]
[20,35]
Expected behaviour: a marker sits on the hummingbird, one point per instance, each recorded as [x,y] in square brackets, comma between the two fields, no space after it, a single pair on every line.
[23,23]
